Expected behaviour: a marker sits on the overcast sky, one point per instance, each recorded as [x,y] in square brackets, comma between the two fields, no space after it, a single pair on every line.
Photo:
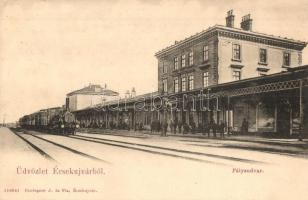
[49,48]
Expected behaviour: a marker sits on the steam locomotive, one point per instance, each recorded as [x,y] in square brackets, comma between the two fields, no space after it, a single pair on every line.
[52,120]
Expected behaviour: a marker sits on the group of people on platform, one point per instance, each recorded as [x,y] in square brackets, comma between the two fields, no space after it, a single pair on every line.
[121,125]
[185,128]
[175,127]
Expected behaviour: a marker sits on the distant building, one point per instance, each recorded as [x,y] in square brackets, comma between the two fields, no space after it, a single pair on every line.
[89,96]
[223,54]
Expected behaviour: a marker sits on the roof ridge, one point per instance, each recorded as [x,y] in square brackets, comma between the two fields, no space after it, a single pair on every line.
[216,26]
[91,90]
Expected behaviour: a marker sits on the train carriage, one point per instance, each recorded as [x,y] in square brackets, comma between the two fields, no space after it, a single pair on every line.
[56,122]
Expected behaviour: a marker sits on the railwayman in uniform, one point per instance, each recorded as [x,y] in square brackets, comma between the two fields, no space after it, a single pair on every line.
[244,128]
[76,126]
[62,127]
[175,124]
[180,126]
[221,129]
[206,129]
[164,128]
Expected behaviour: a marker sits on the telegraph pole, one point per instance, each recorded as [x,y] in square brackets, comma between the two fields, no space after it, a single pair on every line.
[3,122]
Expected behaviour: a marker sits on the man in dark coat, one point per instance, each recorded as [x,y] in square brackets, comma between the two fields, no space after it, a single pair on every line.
[180,127]
[193,126]
[164,128]
[175,125]
[244,128]
[213,126]
[221,129]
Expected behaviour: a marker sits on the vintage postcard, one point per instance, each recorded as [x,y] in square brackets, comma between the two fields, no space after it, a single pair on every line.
[153,99]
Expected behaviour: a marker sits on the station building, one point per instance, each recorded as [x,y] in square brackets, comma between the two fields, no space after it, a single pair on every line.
[222,75]
[89,96]
[225,54]
[274,105]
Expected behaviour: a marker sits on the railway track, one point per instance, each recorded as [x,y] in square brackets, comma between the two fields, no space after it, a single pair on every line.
[141,147]
[30,141]
[107,143]
[147,150]
[166,151]
[39,150]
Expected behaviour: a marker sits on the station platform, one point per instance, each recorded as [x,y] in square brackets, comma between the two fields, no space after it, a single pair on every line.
[10,142]
[241,138]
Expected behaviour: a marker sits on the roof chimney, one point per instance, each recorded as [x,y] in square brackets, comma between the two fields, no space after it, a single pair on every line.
[133,92]
[246,23]
[230,19]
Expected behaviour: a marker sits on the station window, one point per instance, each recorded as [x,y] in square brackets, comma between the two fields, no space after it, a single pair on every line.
[191,82]
[165,86]
[183,82]
[176,63]
[176,85]
[183,60]
[205,79]
[263,56]
[236,52]
[165,68]
[236,74]
[191,58]
[206,53]
[300,58]
[286,59]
